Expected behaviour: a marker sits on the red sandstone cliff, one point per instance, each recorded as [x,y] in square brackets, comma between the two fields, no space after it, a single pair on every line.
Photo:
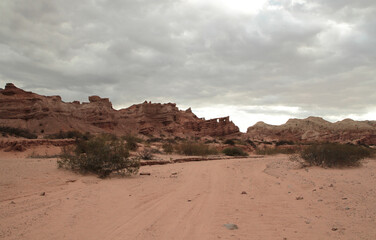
[315,129]
[49,114]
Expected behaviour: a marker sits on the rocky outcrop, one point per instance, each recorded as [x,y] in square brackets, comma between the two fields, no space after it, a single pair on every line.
[166,119]
[49,114]
[315,129]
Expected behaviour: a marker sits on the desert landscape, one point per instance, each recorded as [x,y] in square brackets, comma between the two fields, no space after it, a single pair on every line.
[195,178]
[187,119]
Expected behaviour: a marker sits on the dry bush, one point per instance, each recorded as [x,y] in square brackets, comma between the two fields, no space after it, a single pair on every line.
[168,148]
[17,132]
[196,149]
[146,154]
[229,142]
[234,151]
[131,142]
[69,134]
[274,151]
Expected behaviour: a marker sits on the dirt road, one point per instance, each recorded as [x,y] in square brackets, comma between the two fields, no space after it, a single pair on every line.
[267,198]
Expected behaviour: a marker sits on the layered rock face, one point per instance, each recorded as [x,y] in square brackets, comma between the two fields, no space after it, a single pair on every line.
[49,114]
[315,129]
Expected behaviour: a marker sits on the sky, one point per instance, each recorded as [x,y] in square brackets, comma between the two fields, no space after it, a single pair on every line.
[252,60]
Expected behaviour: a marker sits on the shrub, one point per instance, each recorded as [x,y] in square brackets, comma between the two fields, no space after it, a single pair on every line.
[196,149]
[273,151]
[18,132]
[234,151]
[168,148]
[154,139]
[250,142]
[334,155]
[68,134]
[131,142]
[155,151]
[146,154]
[99,155]
[284,142]
[230,142]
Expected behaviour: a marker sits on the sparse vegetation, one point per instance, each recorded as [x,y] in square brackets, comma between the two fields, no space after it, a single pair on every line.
[69,134]
[230,142]
[131,142]
[100,155]
[168,148]
[234,151]
[196,149]
[274,151]
[152,140]
[284,142]
[146,154]
[250,142]
[334,155]
[17,132]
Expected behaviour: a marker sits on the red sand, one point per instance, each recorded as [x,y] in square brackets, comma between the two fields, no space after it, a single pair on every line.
[188,201]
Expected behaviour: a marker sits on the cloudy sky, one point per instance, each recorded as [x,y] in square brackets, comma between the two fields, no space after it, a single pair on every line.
[253,60]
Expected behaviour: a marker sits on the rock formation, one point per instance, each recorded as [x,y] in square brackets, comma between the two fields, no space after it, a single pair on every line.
[49,114]
[315,129]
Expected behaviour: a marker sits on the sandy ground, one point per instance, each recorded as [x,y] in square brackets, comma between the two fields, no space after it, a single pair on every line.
[188,201]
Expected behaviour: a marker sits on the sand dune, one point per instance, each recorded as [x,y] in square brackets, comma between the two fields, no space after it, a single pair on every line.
[188,201]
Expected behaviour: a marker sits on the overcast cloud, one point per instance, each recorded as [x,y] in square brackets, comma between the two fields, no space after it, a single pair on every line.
[253,60]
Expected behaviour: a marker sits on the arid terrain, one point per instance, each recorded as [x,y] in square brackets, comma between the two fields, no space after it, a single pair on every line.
[189,197]
[187,120]
[266,197]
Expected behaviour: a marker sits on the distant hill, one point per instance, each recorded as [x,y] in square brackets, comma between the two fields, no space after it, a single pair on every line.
[316,129]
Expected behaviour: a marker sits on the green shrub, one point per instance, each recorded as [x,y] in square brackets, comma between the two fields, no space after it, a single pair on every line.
[196,149]
[100,155]
[168,148]
[17,132]
[234,151]
[334,155]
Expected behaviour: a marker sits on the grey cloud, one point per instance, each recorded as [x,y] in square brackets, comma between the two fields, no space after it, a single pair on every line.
[318,56]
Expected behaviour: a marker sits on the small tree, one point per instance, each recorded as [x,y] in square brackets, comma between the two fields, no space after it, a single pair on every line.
[100,155]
